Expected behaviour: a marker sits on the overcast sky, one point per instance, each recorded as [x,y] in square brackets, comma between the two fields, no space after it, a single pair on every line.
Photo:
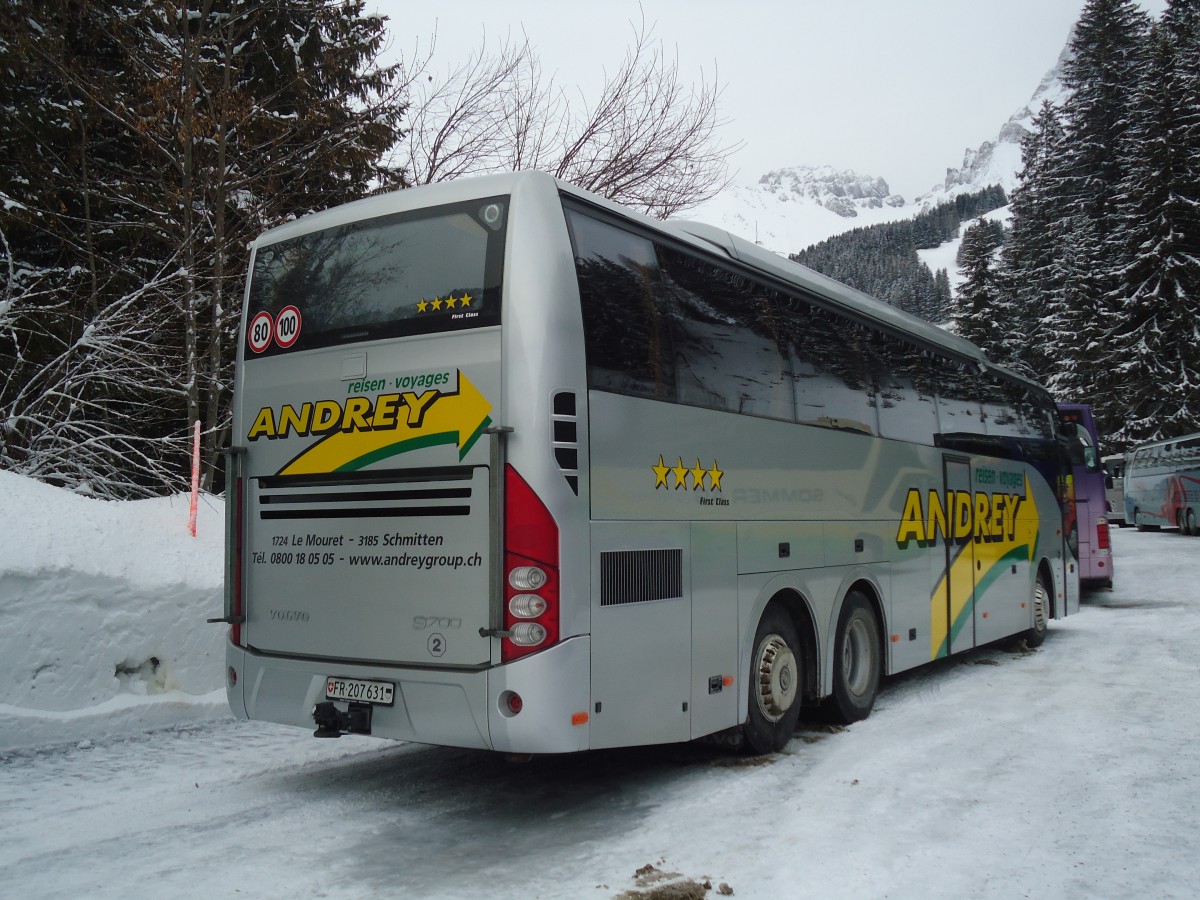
[892,88]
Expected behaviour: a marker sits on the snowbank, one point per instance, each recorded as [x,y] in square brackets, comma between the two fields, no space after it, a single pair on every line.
[102,609]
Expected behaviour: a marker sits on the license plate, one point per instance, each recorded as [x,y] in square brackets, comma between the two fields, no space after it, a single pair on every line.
[381,692]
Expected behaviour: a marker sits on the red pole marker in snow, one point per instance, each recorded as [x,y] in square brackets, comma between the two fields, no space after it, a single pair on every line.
[195,479]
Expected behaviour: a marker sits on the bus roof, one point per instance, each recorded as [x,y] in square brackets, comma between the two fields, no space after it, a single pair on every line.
[1184,440]
[697,234]
[841,296]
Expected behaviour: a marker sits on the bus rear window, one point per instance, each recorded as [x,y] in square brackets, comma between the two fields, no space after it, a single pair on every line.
[431,270]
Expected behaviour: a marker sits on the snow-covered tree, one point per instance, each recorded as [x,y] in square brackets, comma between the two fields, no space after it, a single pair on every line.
[1027,267]
[977,302]
[1155,336]
[142,146]
[1104,69]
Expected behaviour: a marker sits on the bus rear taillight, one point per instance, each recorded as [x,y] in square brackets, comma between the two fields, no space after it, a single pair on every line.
[530,571]
[1103,541]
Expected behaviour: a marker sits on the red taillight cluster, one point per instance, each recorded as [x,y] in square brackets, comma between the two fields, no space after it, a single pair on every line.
[530,571]
[1103,541]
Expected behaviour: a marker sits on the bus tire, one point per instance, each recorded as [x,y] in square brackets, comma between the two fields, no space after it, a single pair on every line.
[858,660]
[1041,613]
[1192,528]
[775,683]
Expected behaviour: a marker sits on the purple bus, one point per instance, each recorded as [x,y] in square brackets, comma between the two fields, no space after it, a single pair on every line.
[1091,503]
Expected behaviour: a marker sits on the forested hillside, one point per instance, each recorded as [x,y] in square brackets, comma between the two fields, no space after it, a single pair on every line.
[882,260]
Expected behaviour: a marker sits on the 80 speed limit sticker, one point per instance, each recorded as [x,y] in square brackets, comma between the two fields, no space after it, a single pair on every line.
[260,332]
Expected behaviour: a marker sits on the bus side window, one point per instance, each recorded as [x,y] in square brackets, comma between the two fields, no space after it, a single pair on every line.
[627,333]
[904,395]
[1002,401]
[959,411]
[830,367]
[727,353]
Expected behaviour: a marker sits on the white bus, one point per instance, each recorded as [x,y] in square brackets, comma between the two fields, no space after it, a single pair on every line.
[1114,488]
[516,468]
[1162,485]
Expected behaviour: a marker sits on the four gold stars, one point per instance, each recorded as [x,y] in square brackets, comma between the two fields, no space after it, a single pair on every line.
[681,471]
[450,302]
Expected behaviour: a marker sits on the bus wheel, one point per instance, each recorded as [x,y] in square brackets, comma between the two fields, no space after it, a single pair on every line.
[1041,613]
[775,675]
[1191,528]
[858,664]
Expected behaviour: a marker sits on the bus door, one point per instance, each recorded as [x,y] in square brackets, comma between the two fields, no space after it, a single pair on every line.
[956,562]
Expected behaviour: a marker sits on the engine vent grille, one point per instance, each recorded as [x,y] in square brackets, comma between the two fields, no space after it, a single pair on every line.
[359,495]
[640,576]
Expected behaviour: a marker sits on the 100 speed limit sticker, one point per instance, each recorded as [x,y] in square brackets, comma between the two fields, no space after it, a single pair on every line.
[284,329]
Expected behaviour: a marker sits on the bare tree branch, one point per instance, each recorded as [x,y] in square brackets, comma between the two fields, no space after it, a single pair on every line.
[649,141]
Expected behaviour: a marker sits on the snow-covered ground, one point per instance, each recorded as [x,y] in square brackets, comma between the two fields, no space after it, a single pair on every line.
[102,614]
[1069,772]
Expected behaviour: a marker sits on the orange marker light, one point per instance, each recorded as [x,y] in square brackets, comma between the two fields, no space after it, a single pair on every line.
[727,681]
[580,718]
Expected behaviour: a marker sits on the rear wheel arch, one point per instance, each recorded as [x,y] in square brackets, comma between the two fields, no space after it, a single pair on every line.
[801,615]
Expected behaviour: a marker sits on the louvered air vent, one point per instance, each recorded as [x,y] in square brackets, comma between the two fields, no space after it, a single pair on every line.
[564,437]
[640,576]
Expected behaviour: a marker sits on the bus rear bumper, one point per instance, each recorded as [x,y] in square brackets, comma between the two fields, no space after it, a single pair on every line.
[450,708]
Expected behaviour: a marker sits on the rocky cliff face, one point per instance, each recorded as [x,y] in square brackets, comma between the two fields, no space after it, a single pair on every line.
[839,191]
[999,161]
[789,209]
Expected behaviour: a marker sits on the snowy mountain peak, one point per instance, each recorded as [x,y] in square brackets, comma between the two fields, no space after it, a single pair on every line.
[999,161]
[840,191]
[789,209]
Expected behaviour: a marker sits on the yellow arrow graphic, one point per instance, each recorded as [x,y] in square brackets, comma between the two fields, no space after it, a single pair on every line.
[418,420]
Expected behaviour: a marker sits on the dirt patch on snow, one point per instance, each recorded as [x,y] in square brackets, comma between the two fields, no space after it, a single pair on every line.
[654,883]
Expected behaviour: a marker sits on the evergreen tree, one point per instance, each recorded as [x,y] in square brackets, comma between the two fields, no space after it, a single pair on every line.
[1154,390]
[165,136]
[976,304]
[1029,267]
[1102,73]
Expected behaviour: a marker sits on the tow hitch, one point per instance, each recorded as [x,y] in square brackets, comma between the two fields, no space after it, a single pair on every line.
[332,722]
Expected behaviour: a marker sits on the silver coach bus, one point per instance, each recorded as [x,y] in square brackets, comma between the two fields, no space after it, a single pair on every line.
[517,468]
[1162,485]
